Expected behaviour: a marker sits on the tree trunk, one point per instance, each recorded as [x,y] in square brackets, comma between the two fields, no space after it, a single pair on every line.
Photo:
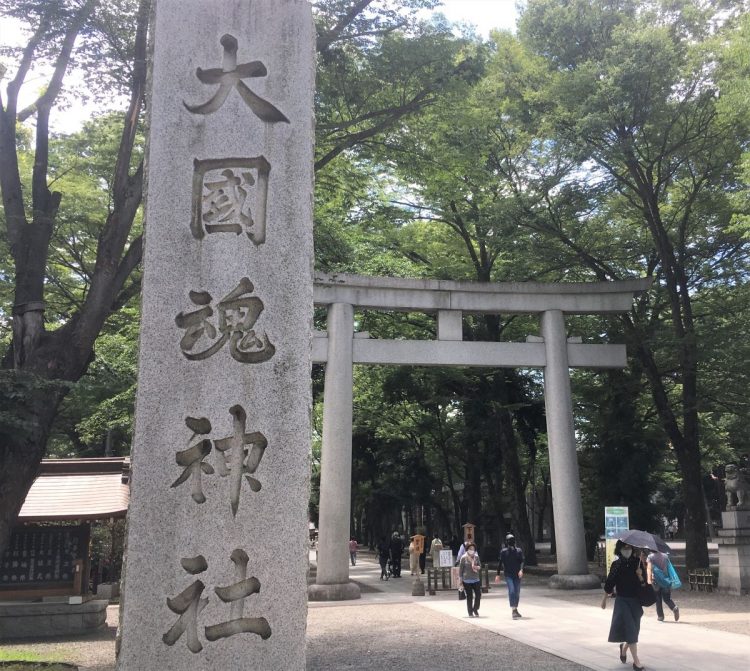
[514,480]
[696,548]
[32,404]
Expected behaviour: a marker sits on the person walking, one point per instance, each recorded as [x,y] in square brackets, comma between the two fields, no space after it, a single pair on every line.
[353,551]
[413,557]
[511,562]
[435,547]
[397,549]
[624,579]
[469,574]
[663,594]
[384,552]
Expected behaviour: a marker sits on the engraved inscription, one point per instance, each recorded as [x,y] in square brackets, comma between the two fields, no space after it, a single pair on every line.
[238,461]
[230,76]
[235,594]
[238,313]
[238,455]
[230,196]
[188,604]
[192,458]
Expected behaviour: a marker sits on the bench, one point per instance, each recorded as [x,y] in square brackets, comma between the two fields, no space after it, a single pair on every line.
[701,579]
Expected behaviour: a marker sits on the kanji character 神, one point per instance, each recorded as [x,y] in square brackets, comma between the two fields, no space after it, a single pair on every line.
[237,460]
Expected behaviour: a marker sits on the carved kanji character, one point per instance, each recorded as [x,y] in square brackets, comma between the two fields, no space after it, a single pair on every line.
[230,76]
[238,312]
[235,594]
[229,196]
[188,605]
[237,460]
[192,458]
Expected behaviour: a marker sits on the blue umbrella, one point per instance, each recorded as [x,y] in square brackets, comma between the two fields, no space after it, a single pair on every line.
[644,539]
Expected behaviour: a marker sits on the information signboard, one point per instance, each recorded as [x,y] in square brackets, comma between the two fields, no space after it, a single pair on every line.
[446,558]
[43,555]
[616,521]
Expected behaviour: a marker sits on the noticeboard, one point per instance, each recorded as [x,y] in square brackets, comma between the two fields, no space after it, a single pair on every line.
[40,556]
[446,558]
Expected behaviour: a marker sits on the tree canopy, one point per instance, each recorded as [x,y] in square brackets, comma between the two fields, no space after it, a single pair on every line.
[605,139]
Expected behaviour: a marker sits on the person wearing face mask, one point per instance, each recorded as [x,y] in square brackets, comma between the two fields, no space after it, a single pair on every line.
[469,573]
[623,582]
[511,561]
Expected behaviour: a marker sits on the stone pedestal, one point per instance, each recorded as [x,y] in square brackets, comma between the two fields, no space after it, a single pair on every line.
[734,552]
[217,539]
[38,620]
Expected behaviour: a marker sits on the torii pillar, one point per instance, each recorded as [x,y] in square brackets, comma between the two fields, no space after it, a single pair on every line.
[332,578]
[572,567]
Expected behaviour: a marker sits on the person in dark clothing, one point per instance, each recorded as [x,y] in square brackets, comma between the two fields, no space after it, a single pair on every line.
[626,575]
[397,549]
[511,562]
[454,544]
[423,557]
[384,552]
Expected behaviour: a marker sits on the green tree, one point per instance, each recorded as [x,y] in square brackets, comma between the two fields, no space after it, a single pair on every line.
[629,98]
[47,351]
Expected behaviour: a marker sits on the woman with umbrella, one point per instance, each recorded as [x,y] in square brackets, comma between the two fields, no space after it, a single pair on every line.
[624,579]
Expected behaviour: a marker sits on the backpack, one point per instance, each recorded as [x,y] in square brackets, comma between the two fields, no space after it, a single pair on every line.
[667,579]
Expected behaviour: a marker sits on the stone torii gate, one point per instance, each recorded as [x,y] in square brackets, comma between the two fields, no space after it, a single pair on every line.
[339,348]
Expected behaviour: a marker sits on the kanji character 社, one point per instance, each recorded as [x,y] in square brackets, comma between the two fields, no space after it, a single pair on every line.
[235,594]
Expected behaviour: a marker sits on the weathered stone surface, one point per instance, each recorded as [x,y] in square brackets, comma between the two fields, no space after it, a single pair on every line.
[32,620]
[221,450]
[735,519]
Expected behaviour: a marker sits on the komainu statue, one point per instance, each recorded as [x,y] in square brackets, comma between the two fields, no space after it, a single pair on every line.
[737,488]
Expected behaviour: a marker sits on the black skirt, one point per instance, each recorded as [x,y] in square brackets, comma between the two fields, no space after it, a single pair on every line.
[626,620]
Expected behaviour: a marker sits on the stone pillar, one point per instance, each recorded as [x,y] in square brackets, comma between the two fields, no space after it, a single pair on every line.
[734,553]
[332,581]
[563,462]
[217,527]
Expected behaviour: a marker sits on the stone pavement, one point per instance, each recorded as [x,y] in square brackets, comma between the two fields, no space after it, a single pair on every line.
[572,631]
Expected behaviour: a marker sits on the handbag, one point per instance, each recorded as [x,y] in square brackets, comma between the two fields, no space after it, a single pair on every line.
[673,577]
[667,579]
[461,594]
[646,594]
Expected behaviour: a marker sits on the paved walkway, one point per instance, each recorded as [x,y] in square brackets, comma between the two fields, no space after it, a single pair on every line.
[574,631]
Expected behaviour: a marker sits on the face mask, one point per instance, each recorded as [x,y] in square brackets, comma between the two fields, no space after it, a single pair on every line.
[626,553]
[471,553]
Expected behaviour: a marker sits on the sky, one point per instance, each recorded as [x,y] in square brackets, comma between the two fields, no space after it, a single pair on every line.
[485,15]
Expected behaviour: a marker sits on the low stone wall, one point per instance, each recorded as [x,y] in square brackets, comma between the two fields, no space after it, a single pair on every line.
[43,619]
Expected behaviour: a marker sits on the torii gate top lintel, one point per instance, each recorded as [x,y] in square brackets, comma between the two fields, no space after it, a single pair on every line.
[405,294]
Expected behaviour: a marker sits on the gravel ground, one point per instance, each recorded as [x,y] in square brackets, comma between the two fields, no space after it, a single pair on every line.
[407,637]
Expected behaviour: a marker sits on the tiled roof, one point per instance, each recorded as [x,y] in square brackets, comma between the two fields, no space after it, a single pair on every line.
[78,489]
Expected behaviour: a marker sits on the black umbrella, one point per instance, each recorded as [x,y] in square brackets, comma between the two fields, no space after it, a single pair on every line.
[644,539]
